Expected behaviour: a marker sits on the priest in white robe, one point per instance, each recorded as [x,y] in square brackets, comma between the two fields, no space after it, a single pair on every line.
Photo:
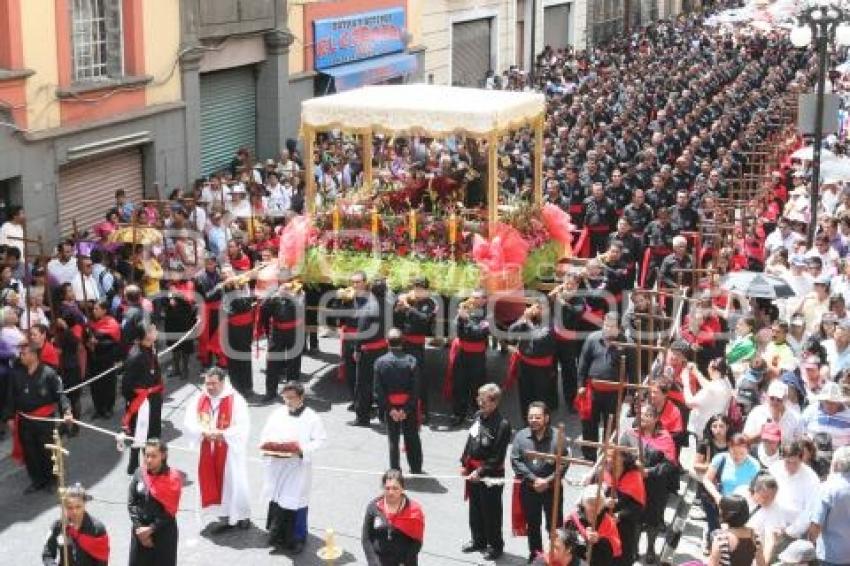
[217,420]
[291,436]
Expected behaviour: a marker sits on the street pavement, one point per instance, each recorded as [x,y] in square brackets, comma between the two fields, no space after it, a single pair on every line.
[346,477]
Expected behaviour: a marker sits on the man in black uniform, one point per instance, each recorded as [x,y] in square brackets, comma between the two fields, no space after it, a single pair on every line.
[414,315]
[569,307]
[396,385]
[236,342]
[632,249]
[207,285]
[679,259]
[34,390]
[348,301]
[638,213]
[575,194]
[280,318]
[599,363]
[682,216]
[536,476]
[484,457]
[142,388]
[599,218]
[86,537]
[532,363]
[371,344]
[658,242]
[467,366]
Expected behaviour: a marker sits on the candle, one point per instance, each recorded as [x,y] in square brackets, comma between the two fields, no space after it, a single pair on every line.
[413,224]
[376,223]
[453,229]
[336,218]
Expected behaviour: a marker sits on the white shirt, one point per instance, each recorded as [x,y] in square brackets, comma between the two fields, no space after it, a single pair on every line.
[769,519]
[798,491]
[10,230]
[87,282]
[790,423]
[60,273]
[709,401]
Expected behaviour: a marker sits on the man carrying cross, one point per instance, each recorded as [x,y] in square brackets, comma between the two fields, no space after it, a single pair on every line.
[534,478]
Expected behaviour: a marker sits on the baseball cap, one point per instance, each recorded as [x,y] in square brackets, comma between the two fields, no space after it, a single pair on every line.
[771,432]
[777,389]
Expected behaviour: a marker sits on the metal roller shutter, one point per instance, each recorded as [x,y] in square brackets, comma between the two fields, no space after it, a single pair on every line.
[228,116]
[556,26]
[471,52]
[87,188]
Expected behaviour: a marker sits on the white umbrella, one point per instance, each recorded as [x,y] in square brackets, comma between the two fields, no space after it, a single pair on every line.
[807,153]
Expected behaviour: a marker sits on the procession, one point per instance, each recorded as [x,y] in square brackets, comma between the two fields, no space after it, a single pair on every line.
[593,313]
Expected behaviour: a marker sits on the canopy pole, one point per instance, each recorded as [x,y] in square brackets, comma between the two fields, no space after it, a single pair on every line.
[367,147]
[538,159]
[309,177]
[492,182]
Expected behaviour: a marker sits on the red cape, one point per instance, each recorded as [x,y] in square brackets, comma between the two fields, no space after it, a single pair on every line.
[107,326]
[49,355]
[410,519]
[630,483]
[165,488]
[95,546]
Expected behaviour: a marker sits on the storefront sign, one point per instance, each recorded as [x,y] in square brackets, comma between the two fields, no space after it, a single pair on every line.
[361,36]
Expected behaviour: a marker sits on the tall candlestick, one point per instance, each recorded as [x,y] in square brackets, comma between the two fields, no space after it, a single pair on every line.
[453,229]
[336,220]
[412,224]
[376,223]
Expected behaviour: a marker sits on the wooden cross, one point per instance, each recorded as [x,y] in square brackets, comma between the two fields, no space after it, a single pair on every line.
[58,453]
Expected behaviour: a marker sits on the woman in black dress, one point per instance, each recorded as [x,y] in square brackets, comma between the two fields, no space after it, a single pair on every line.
[394,526]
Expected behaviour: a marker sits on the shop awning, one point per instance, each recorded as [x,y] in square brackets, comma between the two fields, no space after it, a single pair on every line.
[371,71]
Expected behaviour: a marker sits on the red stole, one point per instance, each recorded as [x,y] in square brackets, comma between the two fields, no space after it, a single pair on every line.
[213,459]
[662,442]
[107,326]
[409,520]
[458,346]
[95,546]
[17,446]
[49,355]
[141,395]
[630,483]
[607,529]
[165,488]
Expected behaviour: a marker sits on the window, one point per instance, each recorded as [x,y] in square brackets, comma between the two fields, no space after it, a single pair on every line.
[97,40]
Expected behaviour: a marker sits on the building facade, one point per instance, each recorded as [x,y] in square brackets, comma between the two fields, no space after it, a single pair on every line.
[90,102]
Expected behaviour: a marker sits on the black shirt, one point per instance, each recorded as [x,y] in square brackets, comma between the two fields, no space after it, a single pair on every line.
[396,372]
[602,361]
[140,371]
[53,548]
[528,468]
[488,441]
[29,392]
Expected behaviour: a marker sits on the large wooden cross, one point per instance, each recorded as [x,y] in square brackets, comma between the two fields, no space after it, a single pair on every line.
[58,453]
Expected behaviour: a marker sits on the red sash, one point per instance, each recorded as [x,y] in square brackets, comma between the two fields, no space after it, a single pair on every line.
[374,346]
[165,488]
[576,209]
[458,346]
[142,393]
[17,446]
[583,404]
[242,318]
[630,483]
[107,326]
[652,251]
[602,386]
[534,361]
[409,520]
[415,339]
[519,526]
[209,340]
[599,228]
[607,530]
[285,324]
[95,546]
[343,330]
[213,454]
[398,399]
[469,466]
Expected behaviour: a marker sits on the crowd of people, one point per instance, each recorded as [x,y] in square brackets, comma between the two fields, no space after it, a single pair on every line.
[647,140]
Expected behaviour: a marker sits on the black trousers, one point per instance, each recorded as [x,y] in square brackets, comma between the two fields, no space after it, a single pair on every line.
[418,352]
[604,404]
[485,515]
[164,550]
[283,362]
[312,296]
[629,537]
[34,435]
[568,352]
[239,361]
[365,389]
[598,243]
[409,427]
[534,505]
[470,372]
[536,384]
[349,366]
[154,429]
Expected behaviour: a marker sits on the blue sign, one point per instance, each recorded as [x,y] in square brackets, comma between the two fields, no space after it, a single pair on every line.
[362,36]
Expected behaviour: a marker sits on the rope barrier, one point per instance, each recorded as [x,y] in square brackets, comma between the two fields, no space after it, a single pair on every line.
[118,366]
